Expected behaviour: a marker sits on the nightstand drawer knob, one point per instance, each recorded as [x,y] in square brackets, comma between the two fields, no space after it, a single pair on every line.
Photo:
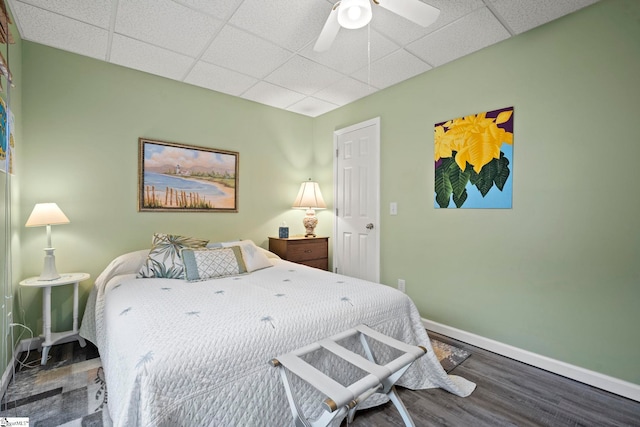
[308,251]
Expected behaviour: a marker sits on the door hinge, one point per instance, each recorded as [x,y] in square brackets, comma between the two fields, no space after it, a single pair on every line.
[337,152]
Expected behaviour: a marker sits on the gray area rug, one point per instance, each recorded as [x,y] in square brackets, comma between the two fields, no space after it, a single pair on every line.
[70,389]
[448,355]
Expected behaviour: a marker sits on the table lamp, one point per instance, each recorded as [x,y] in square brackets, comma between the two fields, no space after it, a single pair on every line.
[47,214]
[309,198]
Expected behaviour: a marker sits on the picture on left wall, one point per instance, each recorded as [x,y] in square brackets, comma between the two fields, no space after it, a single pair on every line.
[7,140]
[176,177]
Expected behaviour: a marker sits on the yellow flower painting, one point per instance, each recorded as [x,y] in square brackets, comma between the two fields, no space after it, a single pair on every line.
[472,159]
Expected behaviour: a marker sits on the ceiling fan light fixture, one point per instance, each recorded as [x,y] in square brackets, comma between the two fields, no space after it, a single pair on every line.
[353,14]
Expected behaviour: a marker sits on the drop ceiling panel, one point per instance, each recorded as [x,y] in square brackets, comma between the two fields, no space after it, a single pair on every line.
[303,75]
[403,31]
[151,59]
[288,23]
[312,107]
[166,24]
[243,52]
[96,12]
[345,91]
[471,33]
[262,50]
[270,94]
[523,15]
[220,9]
[219,79]
[61,32]
[392,69]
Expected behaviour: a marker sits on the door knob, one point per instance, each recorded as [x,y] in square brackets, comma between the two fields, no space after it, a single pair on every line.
[369,226]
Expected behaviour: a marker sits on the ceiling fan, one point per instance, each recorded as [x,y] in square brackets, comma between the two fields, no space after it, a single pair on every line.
[352,14]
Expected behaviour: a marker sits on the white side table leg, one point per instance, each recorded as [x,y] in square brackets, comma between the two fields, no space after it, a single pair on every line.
[83,343]
[46,315]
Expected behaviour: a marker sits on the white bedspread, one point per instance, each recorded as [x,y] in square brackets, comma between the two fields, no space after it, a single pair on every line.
[180,353]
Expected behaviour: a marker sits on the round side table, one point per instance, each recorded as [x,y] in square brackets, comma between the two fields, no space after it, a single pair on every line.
[51,338]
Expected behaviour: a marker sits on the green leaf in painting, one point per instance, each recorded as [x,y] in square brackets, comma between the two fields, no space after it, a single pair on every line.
[502,171]
[443,186]
[473,177]
[485,178]
[459,200]
[458,178]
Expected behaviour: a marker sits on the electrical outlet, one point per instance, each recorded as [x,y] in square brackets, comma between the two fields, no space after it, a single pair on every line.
[401,285]
[393,208]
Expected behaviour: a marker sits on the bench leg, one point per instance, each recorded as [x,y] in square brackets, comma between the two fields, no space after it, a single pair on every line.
[388,387]
[298,417]
[401,408]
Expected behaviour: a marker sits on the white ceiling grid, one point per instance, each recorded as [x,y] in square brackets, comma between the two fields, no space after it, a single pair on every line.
[263,50]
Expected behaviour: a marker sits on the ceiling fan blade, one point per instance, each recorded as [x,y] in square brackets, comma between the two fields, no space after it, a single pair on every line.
[329,31]
[413,10]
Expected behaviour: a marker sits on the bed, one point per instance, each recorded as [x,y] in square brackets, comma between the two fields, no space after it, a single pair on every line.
[179,352]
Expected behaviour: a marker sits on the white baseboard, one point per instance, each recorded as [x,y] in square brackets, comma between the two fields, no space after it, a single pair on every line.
[592,378]
[7,376]
[34,344]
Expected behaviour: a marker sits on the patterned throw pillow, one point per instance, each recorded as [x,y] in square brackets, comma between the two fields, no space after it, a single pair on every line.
[164,259]
[207,263]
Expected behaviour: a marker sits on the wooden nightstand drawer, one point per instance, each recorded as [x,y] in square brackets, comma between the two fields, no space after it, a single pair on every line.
[322,264]
[311,251]
[302,251]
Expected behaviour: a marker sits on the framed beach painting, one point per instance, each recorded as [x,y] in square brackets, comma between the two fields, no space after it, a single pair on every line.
[184,178]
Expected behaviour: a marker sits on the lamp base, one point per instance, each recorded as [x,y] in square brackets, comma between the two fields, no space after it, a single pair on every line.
[310,221]
[49,271]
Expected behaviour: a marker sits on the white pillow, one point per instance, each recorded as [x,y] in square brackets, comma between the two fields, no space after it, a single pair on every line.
[267,253]
[254,258]
[124,264]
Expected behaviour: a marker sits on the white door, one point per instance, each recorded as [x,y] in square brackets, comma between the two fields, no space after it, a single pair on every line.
[356,250]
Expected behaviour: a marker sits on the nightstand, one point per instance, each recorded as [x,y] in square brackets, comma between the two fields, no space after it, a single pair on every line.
[51,338]
[311,251]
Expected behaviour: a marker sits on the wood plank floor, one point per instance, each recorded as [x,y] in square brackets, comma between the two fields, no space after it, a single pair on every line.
[508,393]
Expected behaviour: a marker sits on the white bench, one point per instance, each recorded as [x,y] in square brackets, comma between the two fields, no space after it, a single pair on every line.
[343,400]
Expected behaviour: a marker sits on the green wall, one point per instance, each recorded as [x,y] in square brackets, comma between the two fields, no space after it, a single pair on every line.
[80,150]
[557,274]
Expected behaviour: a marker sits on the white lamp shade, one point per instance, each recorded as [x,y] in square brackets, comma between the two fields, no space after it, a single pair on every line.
[354,14]
[309,197]
[46,214]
